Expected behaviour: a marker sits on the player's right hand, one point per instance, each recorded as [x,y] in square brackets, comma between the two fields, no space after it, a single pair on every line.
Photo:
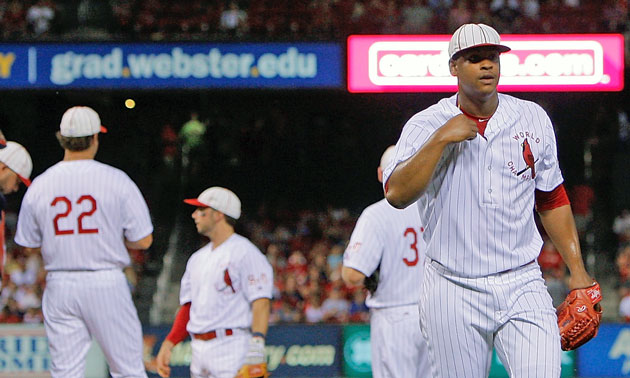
[458,129]
[163,359]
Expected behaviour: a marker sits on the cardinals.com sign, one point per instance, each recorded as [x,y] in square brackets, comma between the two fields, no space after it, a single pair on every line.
[552,62]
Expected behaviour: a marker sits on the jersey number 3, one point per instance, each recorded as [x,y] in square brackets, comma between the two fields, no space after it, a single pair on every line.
[87,213]
[413,246]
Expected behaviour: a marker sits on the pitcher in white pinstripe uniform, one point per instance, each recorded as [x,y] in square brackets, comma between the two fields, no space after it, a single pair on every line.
[83,215]
[478,163]
[388,242]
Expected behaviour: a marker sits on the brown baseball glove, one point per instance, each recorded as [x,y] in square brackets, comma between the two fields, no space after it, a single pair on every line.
[579,316]
[253,371]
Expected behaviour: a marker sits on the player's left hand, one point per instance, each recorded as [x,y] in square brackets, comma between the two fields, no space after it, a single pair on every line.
[255,365]
[579,316]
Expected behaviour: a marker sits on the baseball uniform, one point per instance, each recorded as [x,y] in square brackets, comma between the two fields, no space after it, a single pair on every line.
[483,287]
[79,212]
[221,283]
[479,220]
[391,241]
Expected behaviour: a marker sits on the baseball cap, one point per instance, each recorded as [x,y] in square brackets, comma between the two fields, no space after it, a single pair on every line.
[220,199]
[468,36]
[388,156]
[80,121]
[15,156]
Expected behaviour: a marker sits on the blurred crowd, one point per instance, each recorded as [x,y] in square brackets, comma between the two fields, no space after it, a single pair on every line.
[296,19]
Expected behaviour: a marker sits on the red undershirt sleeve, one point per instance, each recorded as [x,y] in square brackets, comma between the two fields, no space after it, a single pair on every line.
[178,331]
[550,200]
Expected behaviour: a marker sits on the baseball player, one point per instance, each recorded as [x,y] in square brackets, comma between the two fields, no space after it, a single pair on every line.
[15,167]
[388,242]
[477,163]
[225,294]
[83,215]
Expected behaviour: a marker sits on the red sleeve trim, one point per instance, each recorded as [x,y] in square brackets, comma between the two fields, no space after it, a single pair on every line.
[178,331]
[551,200]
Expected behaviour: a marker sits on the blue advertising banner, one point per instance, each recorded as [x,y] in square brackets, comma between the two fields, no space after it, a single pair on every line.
[608,354]
[171,66]
[291,350]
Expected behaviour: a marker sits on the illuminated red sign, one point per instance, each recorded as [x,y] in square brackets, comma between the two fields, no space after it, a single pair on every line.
[548,62]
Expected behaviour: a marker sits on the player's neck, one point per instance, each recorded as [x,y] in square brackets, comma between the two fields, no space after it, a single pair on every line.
[220,234]
[78,155]
[478,107]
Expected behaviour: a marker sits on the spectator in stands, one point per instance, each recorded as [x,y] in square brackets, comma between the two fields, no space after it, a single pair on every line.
[14,21]
[623,263]
[359,312]
[336,307]
[416,17]
[621,226]
[624,303]
[233,20]
[39,17]
[459,15]
[314,313]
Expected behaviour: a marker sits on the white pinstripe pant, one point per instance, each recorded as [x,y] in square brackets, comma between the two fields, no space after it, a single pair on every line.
[398,348]
[221,357]
[463,318]
[80,305]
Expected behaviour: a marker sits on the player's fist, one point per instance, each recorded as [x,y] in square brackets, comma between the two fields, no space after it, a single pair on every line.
[458,129]
[163,359]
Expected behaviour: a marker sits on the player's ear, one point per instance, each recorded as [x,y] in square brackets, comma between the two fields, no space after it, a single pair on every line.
[452,66]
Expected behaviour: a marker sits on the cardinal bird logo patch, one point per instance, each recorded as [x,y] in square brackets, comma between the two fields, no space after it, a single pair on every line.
[228,280]
[528,157]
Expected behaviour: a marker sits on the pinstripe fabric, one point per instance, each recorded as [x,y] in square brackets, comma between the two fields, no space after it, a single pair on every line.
[214,304]
[398,348]
[79,306]
[78,212]
[477,209]
[221,283]
[392,238]
[219,358]
[119,209]
[479,219]
[464,317]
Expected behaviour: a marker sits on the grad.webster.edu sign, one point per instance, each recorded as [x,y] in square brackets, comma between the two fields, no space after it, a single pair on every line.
[548,62]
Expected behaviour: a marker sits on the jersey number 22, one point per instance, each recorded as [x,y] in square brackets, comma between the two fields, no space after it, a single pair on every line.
[87,213]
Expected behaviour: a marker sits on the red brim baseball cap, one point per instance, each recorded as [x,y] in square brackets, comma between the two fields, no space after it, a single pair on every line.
[195,202]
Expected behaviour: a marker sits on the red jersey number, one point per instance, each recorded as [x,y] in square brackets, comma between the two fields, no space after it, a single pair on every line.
[68,209]
[413,246]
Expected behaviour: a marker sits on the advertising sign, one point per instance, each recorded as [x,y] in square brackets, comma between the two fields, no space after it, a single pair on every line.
[357,352]
[291,351]
[24,353]
[171,65]
[608,354]
[546,62]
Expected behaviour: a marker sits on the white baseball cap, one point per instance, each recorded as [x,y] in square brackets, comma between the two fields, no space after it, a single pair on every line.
[474,35]
[80,121]
[15,156]
[388,156]
[220,199]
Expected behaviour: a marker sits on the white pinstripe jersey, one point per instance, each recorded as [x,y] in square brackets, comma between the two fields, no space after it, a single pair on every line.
[78,212]
[478,206]
[392,238]
[221,284]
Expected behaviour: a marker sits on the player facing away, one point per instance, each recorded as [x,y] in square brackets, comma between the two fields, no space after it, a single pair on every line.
[225,295]
[477,163]
[15,167]
[83,215]
[386,254]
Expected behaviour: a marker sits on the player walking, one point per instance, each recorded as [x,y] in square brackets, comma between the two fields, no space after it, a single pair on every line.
[83,215]
[225,296]
[466,161]
[387,247]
